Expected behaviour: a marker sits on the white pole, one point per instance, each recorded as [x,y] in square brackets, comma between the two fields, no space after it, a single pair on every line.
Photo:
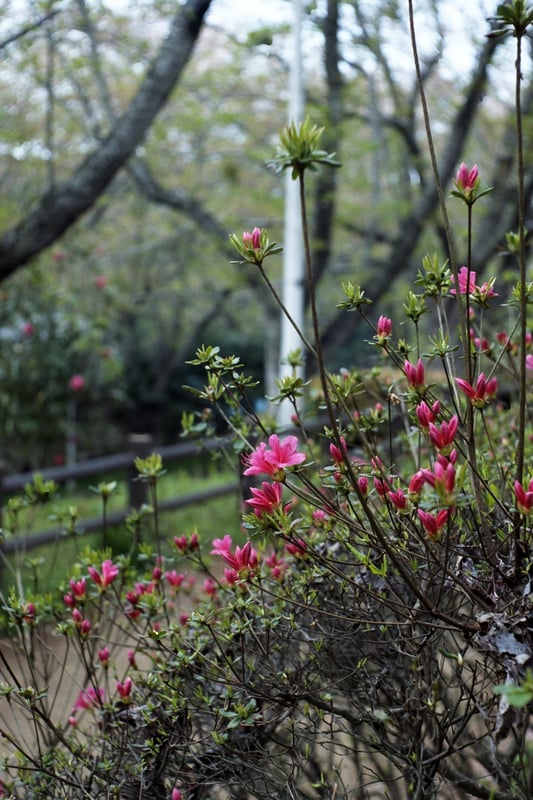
[293,284]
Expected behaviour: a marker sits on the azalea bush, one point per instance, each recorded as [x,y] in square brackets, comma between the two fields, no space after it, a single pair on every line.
[368,632]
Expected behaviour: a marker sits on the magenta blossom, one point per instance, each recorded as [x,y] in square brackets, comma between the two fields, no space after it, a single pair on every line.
[467,180]
[274,459]
[252,241]
[427,414]
[124,689]
[415,374]
[89,697]
[483,392]
[433,523]
[77,383]
[107,576]
[242,559]
[383,329]
[442,437]
[267,499]
[467,285]
[524,497]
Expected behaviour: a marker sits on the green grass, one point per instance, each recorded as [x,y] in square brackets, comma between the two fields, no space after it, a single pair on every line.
[47,566]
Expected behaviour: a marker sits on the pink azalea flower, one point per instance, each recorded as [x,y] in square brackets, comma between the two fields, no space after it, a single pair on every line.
[467,285]
[274,459]
[524,497]
[484,391]
[76,383]
[529,361]
[337,453]
[442,437]
[442,479]
[467,180]
[399,500]
[433,523]
[383,329]
[107,576]
[124,689]
[415,374]
[427,414]
[89,697]
[174,578]
[242,559]
[176,794]
[267,499]
[252,240]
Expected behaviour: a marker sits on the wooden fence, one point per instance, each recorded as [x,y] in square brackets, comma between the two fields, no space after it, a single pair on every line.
[140,447]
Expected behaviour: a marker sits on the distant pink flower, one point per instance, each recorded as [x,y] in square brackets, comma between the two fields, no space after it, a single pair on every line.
[433,523]
[77,383]
[174,578]
[484,391]
[267,499]
[176,794]
[274,459]
[89,697]
[131,659]
[298,548]
[100,281]
[124,689]
[107,576]
[277,565]
[415,374]
[467,180]
[186,544]
[529,361]
[209,587]
[28,329]
[103,656]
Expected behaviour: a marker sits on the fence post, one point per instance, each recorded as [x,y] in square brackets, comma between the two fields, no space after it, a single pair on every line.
[140,446]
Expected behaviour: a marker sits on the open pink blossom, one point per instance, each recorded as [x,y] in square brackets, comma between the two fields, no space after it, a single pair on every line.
[106,576]
[274,459]
[241,559]
[89,698]
[467,285]
[267,499]
[483,392]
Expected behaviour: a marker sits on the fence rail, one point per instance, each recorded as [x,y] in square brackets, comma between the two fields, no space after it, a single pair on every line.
[140,447]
